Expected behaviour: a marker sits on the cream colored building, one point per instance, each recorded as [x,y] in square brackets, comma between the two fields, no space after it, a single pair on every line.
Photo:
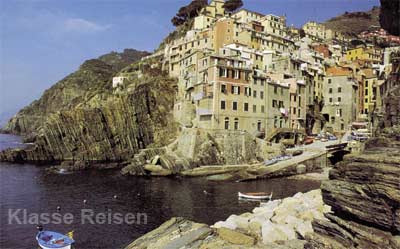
[247,16]
[275,25]
[215,9]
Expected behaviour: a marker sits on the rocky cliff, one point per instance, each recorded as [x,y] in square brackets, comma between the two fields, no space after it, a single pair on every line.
[364,193]
[92,77]
[106,128]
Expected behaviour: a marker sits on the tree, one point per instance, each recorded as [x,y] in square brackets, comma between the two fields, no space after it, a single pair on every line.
[232,5]
[188,12]
[302,33]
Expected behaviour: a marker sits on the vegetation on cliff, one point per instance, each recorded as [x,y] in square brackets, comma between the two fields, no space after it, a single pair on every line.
[353,23]
[92,77]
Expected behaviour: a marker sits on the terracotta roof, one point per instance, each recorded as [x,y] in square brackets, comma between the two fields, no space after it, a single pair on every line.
[338,71]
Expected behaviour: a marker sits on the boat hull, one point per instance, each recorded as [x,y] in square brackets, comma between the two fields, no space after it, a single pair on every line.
[65,247]
[254,197]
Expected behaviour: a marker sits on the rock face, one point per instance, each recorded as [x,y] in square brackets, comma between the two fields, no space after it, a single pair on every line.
[93,77]
[389,16]
[111,131]
[364,192]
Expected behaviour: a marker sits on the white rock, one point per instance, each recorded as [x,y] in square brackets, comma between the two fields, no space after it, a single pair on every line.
[298,195]
[230,225]
[288,230]
[292,221]
[271,233]
[271,204]
[304,227]
[237,221]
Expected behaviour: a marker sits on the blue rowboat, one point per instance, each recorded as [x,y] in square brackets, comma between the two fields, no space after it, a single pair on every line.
[51,240]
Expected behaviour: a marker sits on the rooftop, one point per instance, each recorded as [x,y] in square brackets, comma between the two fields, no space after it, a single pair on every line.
[338,71]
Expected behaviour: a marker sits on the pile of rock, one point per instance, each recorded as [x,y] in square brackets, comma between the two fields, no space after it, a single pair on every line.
[280,220]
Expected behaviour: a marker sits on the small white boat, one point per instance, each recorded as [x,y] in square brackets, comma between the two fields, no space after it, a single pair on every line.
[255,195]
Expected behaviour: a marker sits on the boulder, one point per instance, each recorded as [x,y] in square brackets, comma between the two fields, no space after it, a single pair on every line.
[303,228]
[271,233]
[235,237]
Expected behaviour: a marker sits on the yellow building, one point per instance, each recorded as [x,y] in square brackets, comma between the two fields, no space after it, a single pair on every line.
[370,90]
[361,53]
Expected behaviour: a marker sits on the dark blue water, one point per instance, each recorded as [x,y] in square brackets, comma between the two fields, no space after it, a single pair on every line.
[32,188]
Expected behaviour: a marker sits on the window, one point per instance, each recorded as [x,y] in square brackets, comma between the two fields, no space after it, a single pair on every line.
[275,89]
[236,124]
[226,123]
[281,104]
[261,94]
[247,91]
[222,72]
[262,109]
[339,90]
[223,88]
[246,107]
[259,125]
[366,92]
[274,103]
[223,104]
[262,82]
[237,74]
[339,99]
[254,94]
[294,110]
[254,108]
[234,106]
[236,90]
[330,100]
[366,83]
[330,90]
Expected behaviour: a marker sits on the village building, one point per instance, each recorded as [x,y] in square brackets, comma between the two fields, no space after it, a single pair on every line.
[341,99]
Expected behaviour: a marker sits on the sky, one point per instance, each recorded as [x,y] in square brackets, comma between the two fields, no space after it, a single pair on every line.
[42,41]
